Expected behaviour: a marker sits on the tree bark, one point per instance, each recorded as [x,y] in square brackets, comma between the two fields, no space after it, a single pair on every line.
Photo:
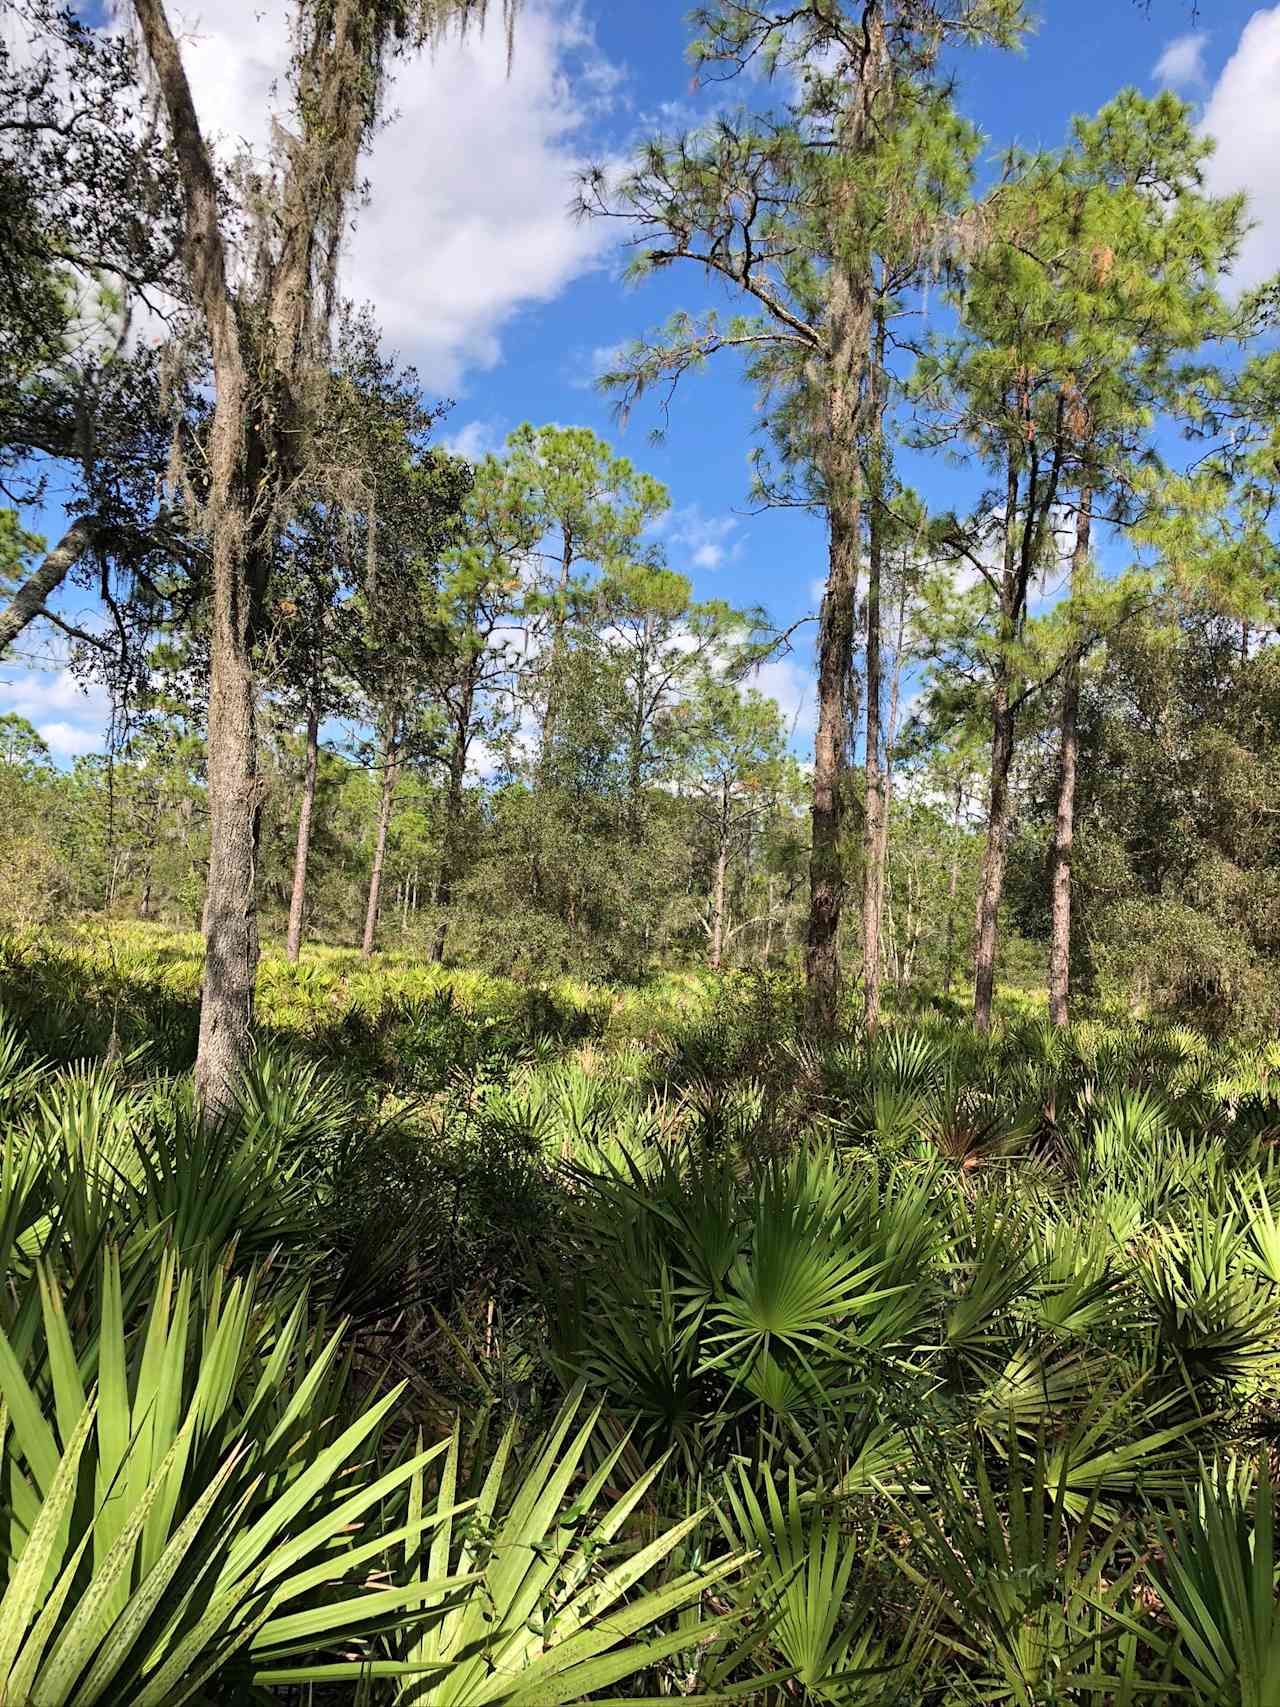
[231,922]
[28,601]
[991,884]
[1064,817]
[837,696]
[875,825]
[847,337]
[953,886]
[454,800]
[555,662]
[256,444]
[718,889]
[298,897]
[390,776]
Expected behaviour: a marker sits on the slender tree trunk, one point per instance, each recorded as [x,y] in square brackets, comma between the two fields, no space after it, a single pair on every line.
[29,600]
[953,886]
[991,884]
[768,929]
[1020,556]
[890,936]
[454,801]
[302,849]
[255,445]
[717,906]
[890,749]
[913,928]
[876,821]
[390,775]
[555,665]
[1064,818]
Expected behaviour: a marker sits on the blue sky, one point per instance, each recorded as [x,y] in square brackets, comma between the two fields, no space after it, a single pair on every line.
[480,276]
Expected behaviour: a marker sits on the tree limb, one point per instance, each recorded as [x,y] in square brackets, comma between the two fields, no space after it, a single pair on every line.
[29,600]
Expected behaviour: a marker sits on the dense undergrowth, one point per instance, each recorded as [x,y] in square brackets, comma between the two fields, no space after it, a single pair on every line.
[521,1345]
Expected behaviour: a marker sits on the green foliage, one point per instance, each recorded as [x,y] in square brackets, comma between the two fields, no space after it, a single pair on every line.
[933,1326]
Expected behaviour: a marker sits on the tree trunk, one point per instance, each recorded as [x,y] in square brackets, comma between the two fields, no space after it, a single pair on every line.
[390,775]
[1020,556]
[913,928]
[28,601]
[717,905]
[876,823]
[992,881]
[233,456]
[890,749]
[837,693]
[298,898]
[454,801]
[256,443]
[953,886]
[231,913]
[555,663]
[1064,818]
[847,321]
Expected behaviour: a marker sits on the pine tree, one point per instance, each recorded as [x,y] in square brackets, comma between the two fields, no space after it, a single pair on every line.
[791,209]
[1100,266]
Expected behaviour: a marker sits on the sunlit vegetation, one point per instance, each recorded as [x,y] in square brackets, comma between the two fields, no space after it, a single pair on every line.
[935,1367]
[523,1178]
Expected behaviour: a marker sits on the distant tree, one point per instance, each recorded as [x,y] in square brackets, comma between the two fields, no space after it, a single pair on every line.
[580,510]
[420,493]
[21,744]
[730,768]
[480,606]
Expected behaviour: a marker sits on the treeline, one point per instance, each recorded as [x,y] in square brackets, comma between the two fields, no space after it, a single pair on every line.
[259,503]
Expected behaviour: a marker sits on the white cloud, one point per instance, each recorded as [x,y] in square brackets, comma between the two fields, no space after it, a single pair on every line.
[67,741]
[1243,114]
[1181,65]
[468,219]
[700,541]
[475,439]
[70,718]
[791,685]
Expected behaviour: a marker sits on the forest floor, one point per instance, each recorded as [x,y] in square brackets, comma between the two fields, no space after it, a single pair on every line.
[970,1342]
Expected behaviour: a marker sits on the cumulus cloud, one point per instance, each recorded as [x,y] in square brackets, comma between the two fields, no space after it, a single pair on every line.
[700,541]
[470,180]
[790,683]
[1243,114]
[475,439]
[70,719]
[70,740]
[1181,65]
